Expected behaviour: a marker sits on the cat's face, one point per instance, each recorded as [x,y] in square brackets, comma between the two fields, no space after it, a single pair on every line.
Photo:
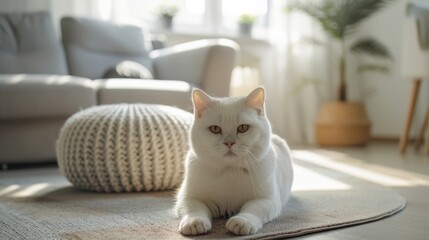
[230,131]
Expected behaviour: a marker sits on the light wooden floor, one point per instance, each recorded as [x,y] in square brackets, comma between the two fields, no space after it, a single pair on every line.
[381,163]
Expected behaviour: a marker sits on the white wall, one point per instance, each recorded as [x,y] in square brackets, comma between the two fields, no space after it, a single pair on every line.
[387,105]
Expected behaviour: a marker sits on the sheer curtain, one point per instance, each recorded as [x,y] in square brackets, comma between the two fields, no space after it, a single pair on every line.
[299,76]
[102,9]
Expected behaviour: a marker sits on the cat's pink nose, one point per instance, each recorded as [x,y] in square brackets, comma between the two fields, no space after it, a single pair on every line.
[229,144]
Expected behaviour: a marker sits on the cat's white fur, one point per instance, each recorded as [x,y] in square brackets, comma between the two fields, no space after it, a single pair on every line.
[251,181]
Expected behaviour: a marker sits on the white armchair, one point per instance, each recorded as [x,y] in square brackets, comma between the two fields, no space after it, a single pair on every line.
[93,47]
[206,64]
[42,82]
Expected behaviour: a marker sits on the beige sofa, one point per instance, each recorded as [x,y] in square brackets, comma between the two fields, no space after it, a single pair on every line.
[43,82]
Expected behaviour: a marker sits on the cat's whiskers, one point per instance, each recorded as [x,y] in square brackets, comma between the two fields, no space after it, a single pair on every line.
[259,172]
[251,179]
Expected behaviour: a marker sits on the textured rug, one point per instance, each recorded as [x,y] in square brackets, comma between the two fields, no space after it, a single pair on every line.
[41,204]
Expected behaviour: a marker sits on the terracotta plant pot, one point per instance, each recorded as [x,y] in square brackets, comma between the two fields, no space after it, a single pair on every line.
[342,124]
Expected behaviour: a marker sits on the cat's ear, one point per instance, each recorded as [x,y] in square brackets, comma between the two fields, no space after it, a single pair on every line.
[201,101]
[256,100]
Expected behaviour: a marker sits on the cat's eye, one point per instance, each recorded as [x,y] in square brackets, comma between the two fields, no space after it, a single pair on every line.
[215,129]
[243,128]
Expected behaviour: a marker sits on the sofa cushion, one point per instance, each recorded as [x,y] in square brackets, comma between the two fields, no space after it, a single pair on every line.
[93,46]
[166,92]
[38,96]
[28,44]
[129,69]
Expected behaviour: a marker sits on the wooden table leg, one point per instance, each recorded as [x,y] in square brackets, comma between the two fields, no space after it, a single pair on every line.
[412,105]
[427,137]
[422,132]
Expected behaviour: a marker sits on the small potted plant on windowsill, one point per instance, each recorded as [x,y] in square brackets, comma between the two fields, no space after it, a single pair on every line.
[245,24]
[341,122]
[166,15]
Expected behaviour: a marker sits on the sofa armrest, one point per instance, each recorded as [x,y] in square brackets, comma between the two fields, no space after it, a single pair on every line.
[204,63]
[158,41]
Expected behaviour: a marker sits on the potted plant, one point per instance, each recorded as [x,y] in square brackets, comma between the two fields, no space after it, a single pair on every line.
[341,122]
[245,24]
[166,15]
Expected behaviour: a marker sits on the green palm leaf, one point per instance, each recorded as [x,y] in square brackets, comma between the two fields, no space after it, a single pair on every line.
[371,47]
[352,12]
[321,13]
[339,17]
[373,68]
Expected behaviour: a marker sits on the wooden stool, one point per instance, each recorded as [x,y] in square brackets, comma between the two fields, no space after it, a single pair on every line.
[410,115]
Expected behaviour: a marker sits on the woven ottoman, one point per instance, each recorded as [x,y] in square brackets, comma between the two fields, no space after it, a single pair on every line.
[124,147]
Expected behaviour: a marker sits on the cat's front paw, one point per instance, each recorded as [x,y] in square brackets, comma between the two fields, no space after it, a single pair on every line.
[194,225]
[243,224]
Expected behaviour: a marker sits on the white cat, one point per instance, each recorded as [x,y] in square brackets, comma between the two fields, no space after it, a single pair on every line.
[234,166]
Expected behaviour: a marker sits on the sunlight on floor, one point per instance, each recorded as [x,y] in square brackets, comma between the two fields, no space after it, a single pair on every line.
[25,190]
[309,180]
[403,180]
[6,190]
[165,85]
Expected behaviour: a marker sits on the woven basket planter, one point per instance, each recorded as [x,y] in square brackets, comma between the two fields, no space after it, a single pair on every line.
[342,124]
[124,148]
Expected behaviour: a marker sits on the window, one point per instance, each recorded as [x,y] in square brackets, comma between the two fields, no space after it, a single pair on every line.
[190,12]
[233,9]
[202,16]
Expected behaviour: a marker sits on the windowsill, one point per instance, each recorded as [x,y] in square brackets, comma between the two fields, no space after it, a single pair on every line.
[257,38]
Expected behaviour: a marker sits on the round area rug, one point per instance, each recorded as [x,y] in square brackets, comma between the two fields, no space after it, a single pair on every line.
[41,204]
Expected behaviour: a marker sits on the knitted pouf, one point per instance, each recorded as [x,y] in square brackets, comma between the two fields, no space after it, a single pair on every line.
[124,148]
